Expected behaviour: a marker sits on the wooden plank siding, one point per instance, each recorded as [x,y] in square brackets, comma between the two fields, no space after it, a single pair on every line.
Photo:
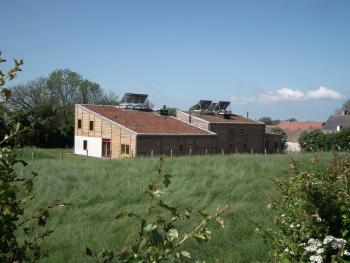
[106,130]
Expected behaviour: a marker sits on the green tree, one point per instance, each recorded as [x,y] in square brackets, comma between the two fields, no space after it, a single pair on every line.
[345,107]
[48,102]
[172,111]
[266,120]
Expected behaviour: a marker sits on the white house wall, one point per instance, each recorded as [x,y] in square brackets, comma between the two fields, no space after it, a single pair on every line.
[94,146]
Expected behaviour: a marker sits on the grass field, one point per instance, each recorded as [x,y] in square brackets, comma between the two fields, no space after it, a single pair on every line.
[100,189]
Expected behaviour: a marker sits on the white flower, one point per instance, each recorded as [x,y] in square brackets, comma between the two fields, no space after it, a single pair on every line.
[346,253]
[334,242]
[313,245]
[320,251]
[316,259]
[327,240]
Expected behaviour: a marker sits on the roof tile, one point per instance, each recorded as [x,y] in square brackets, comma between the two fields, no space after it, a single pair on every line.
[146,122]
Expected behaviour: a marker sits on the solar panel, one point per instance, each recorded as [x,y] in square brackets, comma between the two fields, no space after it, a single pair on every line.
[212,106]
[133,98]
[204,104]
[222,105]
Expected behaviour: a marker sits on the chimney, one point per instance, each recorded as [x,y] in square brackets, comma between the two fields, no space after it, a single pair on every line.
[247,114]
[164,107]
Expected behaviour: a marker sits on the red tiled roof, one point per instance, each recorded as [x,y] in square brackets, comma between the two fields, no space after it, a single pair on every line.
[146,122]
[300,125]
[233,118]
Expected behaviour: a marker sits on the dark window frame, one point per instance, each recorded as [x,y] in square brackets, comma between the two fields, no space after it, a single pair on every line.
[85,144]
[91,125]
[79,123]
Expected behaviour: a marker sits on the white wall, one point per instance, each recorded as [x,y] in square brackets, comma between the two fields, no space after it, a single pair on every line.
[293,147]
[94,146]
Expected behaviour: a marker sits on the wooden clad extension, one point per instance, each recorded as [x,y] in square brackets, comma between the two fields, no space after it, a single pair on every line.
[104,129]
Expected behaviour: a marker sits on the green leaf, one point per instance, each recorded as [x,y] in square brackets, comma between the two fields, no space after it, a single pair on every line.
[158,193]
[185,254]
[150,227]
[173,210]
[124,215]
[173,234]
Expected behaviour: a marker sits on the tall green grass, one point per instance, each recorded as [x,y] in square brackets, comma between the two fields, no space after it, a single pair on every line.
[100,189]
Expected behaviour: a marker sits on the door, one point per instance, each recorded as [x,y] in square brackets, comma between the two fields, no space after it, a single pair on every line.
[106,148]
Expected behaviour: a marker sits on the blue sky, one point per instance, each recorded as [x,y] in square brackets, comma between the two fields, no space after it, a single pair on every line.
[271,58]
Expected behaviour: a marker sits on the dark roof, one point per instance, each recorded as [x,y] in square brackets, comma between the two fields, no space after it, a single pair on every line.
[336,120]
[212,118]
[146,122]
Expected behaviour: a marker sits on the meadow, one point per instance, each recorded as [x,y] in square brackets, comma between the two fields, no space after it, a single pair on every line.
[99,189]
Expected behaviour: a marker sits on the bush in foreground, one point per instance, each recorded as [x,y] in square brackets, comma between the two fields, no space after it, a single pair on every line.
[312,215]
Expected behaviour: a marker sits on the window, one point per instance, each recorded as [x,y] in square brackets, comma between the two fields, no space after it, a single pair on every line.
[85,145]
[91,127]
[125,149]
[79,124]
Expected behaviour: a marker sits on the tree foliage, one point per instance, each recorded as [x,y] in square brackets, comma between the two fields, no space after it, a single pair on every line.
[318,141]
[15,193]
[312,214]
[47,104]
[269,121]
[282,133]
[159,239]
[344,107]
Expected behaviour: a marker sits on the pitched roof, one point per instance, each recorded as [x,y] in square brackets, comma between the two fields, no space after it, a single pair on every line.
[336,120]
[300,125]
[234,118]
[146,122]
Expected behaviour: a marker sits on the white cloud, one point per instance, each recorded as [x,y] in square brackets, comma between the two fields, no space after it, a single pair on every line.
[323,93]
[287,95]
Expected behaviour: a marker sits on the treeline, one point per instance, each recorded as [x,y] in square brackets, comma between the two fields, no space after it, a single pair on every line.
[46,105]
[319,141]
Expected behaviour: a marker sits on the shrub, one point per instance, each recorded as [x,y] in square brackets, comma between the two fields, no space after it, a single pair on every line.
[312,214]
[16,192]
[319,141]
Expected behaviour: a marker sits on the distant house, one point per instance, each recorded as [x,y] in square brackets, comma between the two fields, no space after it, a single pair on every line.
[337,123]
[294,129]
